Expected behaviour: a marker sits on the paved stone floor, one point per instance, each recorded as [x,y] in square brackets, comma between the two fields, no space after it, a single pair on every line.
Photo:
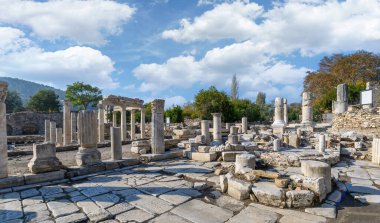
[171,191]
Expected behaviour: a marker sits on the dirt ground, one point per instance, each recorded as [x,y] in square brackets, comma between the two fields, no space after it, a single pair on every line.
[19,165]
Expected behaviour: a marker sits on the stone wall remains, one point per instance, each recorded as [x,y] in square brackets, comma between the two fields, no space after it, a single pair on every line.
[31,123]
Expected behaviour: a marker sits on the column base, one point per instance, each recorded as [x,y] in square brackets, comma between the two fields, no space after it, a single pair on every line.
[88,156]
[44,165]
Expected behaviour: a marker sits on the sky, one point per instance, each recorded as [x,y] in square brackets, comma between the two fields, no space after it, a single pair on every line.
[171,49]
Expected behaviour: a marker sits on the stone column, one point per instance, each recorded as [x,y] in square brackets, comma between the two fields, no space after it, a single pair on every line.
[244,125]
[311,168]
[133,124]
[47,130]
[3,131]
[44,158]
[59,135]
[88,153]
[307,109]
[276,145]
[114,118]
[123,123]
[53,132]
[228,126]
[278,113]
[217,127]
[73,127]
[322,143]
[100,122]
[116,148]
[245,163]
[205,130]
[158,134]
[66,122]
[285,102]
[341,103]
[142,127]
[376,151]
[233,137]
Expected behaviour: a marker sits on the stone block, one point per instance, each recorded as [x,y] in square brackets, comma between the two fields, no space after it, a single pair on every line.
[245,163]
[204,149]
[12,181]
[238,189]
[167,155]
[299,198]
[44,158]
[200,139]
[294,141]
[204,157]
[43,177]
[268,193]
[230,156]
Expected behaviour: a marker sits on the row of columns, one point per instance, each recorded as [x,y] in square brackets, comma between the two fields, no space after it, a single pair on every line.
[123,121]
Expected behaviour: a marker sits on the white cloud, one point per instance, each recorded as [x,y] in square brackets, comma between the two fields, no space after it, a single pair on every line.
[87,22]
[175,100]
[308,26]
[23,59]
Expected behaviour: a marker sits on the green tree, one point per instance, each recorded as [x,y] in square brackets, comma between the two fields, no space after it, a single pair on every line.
[260,98]
[175,113]
[44,101]
[212,100]
[234,88]
[294,111]
[245,108]
[83,95]
[189,111]
[13,102]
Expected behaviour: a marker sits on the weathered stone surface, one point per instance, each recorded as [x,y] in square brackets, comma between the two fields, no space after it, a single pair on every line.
[268,193]
[294,141]
[229,203]
[116,149]
[317,185]
[204,149]
[245,163]
[169,217]
[44,158]
[106,200]
[230,156]
[149,203]
[281,183]
[135,215]
[205,213]
[255,214]
[119,208]
[335,196]
[158,134]
[203,157]
[175,197]
[299,198]
[12,181]
[223,183]
[10,210]
[266,174]
[43,177]
[73,218]
[61,208]
[311,168]
[326,210]
[93,212]
[238,189]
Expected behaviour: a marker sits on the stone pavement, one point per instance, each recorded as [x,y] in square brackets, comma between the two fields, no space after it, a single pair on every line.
[171,191]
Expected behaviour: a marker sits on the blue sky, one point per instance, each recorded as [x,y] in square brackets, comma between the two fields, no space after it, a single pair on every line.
[171,49]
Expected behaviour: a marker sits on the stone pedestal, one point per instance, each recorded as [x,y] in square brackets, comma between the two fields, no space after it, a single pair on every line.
[217,127]
[47,130]
[53,132]
[294,141]
[278,115]
[376,151]
[158,133]
[142,127]
[341,103]
[59,139]
[66,123]
[276,145]
[285,102]
[100,122]
[316,169]
[307,109]
[88,153]
[233,137]
[3,131]
[133,125]
[73,128]
[116,147]
[244,125]
[44,158]
[245,163]
[322,143]
[205,130]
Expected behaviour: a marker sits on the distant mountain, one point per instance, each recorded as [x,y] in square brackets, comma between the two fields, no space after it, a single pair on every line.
[26,89]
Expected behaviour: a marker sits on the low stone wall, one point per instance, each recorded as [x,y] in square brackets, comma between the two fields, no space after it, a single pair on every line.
[363,121]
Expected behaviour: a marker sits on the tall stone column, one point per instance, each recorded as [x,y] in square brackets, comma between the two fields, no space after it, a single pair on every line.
[244,125]
[285,102]
[88,153]
[142,127]
[47,130]
[66,122]
[73,127]
[341,103]
[322,143]
[100,122]
[123,123]
[158,132]
[3,131]
[278,113]
[205,130]
[116,147]
[376,151]
[133,124]
[59,135]
[53,132]
[307,109]
[114,118]
[217,127]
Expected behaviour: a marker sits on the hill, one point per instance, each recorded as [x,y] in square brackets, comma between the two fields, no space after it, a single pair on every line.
[26,89]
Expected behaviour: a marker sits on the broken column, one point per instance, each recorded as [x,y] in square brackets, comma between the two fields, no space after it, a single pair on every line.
[158,133]
[116,147]
[376,151]
[3,131]
[44,158]
[73,127]
[47,130]
[205,130]
[66,122]
[285,102]
[217,127]
[100,122]
[59,135]
[316,169]
[276,145]
[322,143]
[233,137]
[307,109]
[278,124]
[88,153]
[53,132]
[341,103]
[245,163]
[142,124]
[123,123]
[133,124]
[244,125]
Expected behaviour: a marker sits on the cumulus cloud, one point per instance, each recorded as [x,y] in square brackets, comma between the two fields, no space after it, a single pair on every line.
[21,58]
[307,26]
[86,22]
